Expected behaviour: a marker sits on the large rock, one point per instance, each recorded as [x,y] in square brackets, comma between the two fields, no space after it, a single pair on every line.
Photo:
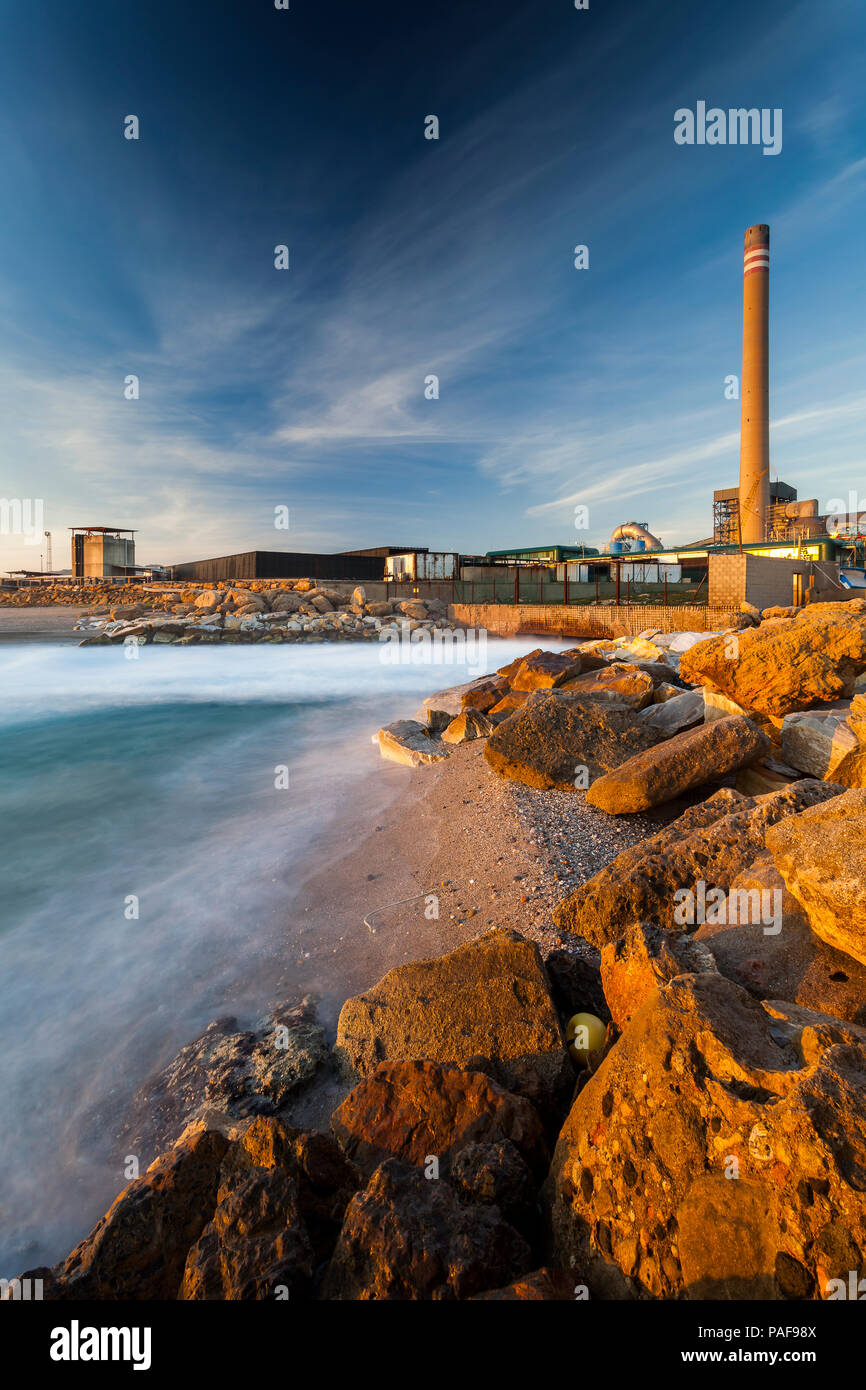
[409,1238]
[642,961]
[620,683]
[789,963]
[224,1077]
[484,696]
[256,1245]
[451,699]
[496,1174]
[513,700]
[821,855]
[719,1151]
[415,1110]
[786,664]
[711,842]
[285,601]
[468,725]
[544,670]
[541,1286]
[408,742]
[678,711]
[687,760]
[816,741]
[555,740]
[489,998]
[139,1248]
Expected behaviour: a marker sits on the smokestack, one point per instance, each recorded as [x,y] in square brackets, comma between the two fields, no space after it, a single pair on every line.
[755,387]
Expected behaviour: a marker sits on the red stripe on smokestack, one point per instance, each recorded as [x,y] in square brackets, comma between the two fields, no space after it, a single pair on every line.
[755,386]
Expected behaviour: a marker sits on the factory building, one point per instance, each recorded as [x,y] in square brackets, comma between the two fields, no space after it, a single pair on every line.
[102,552]
[281,564]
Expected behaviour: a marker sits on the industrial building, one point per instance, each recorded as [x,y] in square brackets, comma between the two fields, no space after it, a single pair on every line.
[767,546]
[281,564]
[102,552]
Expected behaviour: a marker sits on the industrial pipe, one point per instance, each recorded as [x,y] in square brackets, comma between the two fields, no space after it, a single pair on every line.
[636,531]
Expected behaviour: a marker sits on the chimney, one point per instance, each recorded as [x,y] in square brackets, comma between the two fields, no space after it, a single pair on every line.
[755,387]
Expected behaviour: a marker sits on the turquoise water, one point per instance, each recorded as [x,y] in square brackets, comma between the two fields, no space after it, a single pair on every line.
[153,780]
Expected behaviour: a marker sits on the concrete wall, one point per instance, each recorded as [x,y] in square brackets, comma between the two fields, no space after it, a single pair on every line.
[767,582]
[589,620]
[107,555]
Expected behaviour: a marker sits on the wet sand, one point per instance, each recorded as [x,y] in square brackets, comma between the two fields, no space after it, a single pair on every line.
[51,624]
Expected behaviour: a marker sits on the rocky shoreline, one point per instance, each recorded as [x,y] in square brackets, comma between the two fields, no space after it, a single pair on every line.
[299,610]
[697,810]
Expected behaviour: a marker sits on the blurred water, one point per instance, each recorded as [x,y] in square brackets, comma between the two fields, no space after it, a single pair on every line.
[155,778]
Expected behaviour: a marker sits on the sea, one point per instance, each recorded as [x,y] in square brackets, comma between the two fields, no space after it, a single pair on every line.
[156,817]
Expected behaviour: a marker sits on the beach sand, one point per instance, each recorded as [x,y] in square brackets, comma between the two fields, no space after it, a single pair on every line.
[50,624]
[494,854]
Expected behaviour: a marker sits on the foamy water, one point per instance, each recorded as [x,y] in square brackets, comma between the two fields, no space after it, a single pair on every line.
[148,862]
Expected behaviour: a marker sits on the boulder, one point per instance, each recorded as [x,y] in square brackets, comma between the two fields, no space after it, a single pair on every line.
[414,608]
[497,1175]
[821,855]
[324,1178]
[554,737]
[255,1246]
[413,1110]
[619,682]
[717,1152]
[451,699]
[789,961]
[817,741]
[488,998]
[676,712]
[285,601]
[711,842]
[544,670]
[789,664]
[409,1238]
[666,691]
[485,694]
[468,725]
[322,604]
[718,706]
[642,961]
[379,609]
[406,741]
[223,1077]
[687,760]
[211,598]
[138,1249]
[245,599]
[514,699]
[127,611]
[541,1286]
[510,671]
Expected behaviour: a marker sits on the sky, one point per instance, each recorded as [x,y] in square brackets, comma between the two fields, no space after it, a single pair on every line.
[263,389]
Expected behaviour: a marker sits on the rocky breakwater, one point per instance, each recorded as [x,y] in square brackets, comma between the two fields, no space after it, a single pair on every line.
[301,611]
[427,1186]
[548,713]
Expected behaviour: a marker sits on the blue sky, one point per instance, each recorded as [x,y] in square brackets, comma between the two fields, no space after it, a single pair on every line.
[305,388]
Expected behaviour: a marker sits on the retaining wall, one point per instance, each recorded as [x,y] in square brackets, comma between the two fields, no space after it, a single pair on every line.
[590,620]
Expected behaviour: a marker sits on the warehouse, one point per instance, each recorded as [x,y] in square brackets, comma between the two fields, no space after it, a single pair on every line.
[279,564]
